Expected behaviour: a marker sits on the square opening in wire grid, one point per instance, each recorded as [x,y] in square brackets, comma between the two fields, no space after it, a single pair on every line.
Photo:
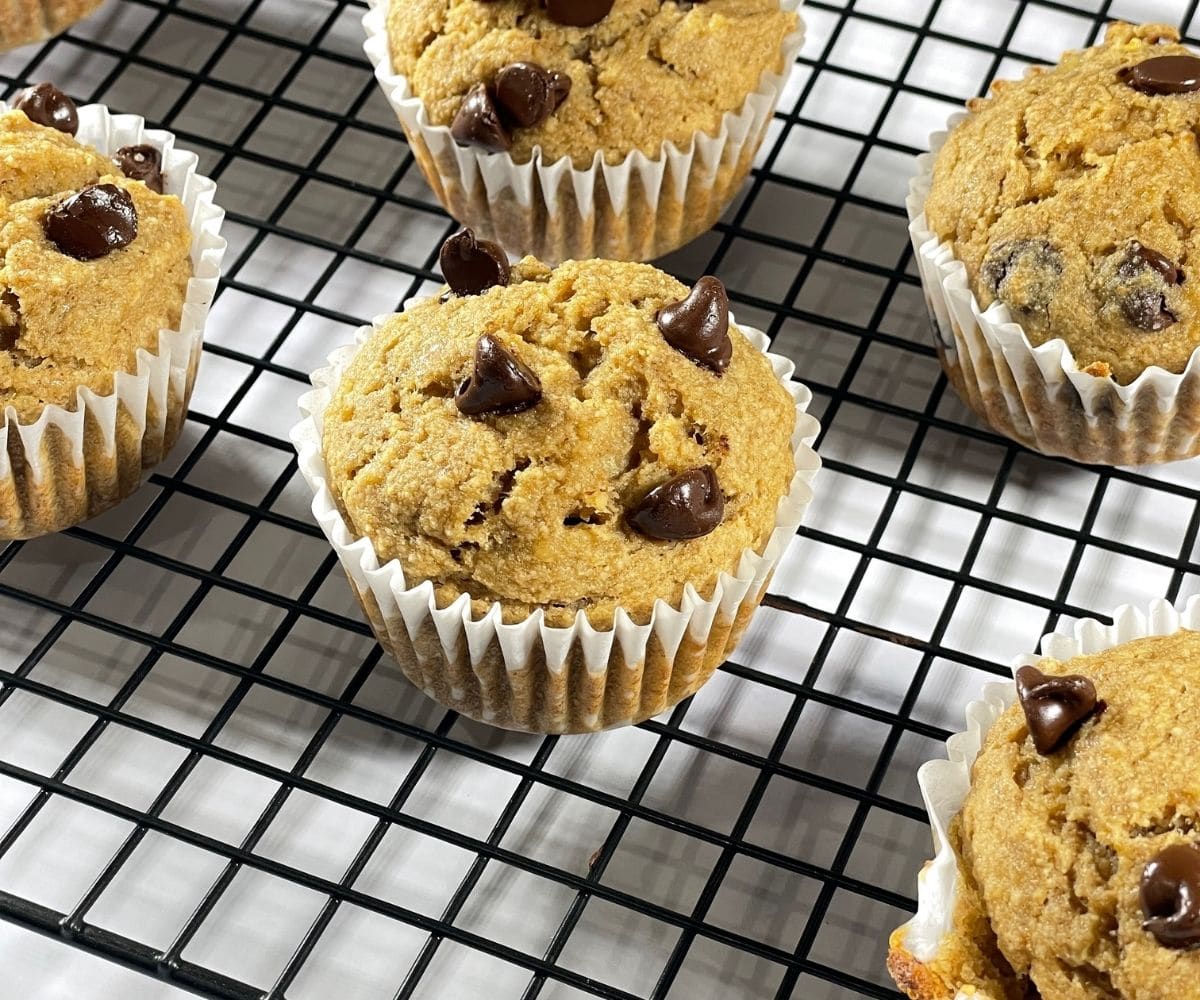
[756,842]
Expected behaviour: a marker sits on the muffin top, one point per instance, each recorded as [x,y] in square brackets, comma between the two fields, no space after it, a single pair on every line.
[542,444]
[94,265]
[23,21]
[1080,837]
[643,72]
[1073,196]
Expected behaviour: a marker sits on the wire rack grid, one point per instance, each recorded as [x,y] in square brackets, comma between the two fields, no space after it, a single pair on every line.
[209,773]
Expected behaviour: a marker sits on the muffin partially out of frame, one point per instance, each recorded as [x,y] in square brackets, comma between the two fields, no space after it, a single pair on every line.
[1055,227]
[567,129]
[1075,851]
[577,482]
[98,345]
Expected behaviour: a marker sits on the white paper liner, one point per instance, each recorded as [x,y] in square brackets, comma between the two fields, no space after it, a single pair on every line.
[575,662]
[636,210]
[945,783]
[1038,395]
[69,465]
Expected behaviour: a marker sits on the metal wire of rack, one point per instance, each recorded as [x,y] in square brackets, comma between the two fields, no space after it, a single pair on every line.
[209,773]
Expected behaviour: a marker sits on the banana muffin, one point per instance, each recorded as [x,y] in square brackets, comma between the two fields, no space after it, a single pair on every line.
[1079,840]
[591,437]
[1073,196]
[94,265]
[1053,226]
[619,76]
[567,130]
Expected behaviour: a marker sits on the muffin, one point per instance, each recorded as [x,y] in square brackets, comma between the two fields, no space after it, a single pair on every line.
[1077,845]
[619,129]
[577,481]
[1054,226]
[23,21]
[98,344]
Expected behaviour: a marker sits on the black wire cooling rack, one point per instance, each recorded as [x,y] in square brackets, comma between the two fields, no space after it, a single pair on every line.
[209,773]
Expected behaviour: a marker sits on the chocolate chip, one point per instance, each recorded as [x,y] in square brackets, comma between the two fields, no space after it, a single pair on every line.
[578,13]
[1164,75]
[1152,258]
[141,163]
[1136,279]
[689,506]
[478,123]
[1055,707]
[527,94]
[93,223]
[560,89]
[1022,273]
[472,266]
[1170,897]
[10,319]
[45,104]
[699,325]
[500,384]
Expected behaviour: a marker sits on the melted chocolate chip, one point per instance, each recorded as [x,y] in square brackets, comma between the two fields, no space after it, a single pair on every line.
[578,13]
[699,325]
[92,223]
[478,123]
[500,384]
[1022,273]
[1136,278]
[689,506]
[1170,897]
[46,105]
[141,163]
[527,94]
[472,266]
[1164,75]
[1055,707]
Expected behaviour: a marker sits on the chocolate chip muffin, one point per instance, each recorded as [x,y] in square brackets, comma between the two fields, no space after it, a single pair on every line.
[1072,197]
[574,79]
[96,266]
[1079,841]
[584,438]
[559,493]
[548,85]
[23,21]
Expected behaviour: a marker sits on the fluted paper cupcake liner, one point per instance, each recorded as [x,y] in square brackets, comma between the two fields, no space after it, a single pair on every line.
[945,783]
[1039,396]
[530,676]
[72,464]
[637,210]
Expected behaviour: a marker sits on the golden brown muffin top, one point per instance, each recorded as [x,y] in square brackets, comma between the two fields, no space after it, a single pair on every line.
[646,73]
[1054,847]
[23,21]
[68,322]
[531,509]
[1073,195]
